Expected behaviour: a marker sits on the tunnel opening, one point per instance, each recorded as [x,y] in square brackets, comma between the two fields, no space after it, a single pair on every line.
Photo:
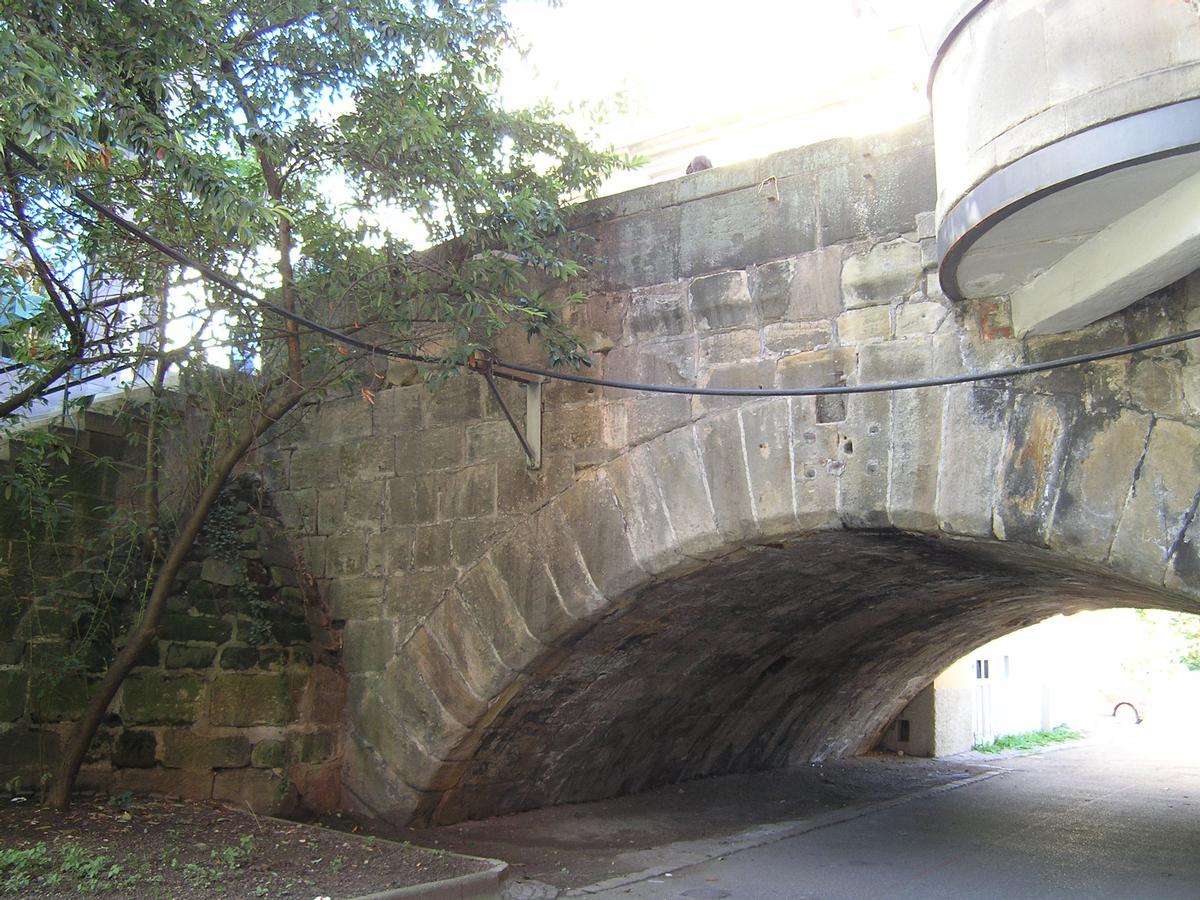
[758,658]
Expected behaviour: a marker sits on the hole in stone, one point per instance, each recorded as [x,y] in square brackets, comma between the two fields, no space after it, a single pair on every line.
[810,473]
[848,446]
[874,429]
[872,468]
[809,437]
[904,731]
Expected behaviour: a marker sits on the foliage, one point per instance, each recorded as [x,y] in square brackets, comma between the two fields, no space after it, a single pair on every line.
[308,148]
[1031,740]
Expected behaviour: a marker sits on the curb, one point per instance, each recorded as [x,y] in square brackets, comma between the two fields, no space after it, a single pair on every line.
[476,886]
[483,885]
[690,853]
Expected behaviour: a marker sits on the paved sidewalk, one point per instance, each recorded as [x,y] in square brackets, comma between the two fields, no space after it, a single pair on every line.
[1116,817]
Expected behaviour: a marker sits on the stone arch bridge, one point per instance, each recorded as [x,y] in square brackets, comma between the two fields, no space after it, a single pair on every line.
[693,586]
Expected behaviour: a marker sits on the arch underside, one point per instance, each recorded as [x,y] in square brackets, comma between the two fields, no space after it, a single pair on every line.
[784,653]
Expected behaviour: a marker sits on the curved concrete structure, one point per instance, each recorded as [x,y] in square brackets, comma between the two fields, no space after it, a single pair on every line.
[691,586]
[1055,122]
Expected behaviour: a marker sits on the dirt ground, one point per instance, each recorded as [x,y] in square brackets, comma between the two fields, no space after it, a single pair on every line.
[141,847]
[580,844]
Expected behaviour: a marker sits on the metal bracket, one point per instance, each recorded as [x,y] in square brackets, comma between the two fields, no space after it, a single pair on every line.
[531,438]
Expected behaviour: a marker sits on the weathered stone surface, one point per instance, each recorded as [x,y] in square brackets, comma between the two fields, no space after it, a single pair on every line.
[877,193]
[520,563]
[368,458]
[420,451]
[455,401]
[640,249]
[973,426]
[659,311]
[766,435]
[1161,502]
[721,301]
[816,368]
[818,466]
[723,458]
[411,500]
[919,317]
[485,596]
[796,337]
[154,698]
[645,515]
[250,699]
[135,750]
[192,750]
[882,274]
[601,533]
[190,656]
[857,325]
[449,685]
[269,755]
[741,228]
[674,460]
[314,466]
[1030,468]
[467,494]
[222,571]
[264,791]
[369,644]
[465,644]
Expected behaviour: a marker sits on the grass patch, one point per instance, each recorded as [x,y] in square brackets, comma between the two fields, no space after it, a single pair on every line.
[1031,740]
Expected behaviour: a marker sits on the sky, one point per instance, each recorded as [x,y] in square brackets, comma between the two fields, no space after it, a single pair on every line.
[736,80]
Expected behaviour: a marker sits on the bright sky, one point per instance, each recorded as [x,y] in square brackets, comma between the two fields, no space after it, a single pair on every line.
[735,80]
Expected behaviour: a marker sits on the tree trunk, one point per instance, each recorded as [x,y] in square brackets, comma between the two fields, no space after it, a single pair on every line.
[146,631]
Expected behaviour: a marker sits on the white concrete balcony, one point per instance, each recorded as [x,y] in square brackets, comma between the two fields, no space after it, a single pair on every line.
[1067,140]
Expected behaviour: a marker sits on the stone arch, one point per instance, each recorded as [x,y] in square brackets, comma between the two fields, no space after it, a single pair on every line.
[758,587]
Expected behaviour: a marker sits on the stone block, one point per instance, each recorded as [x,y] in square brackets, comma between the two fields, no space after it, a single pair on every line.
[857,325]
[645,515]
[653,362]
[266,792]
[974,423]
[411,595]
[818,467]
[486,597]
[467,494]
[753,374]
[520,563]
[638,250]
[745,227]
[721,301]
[462,638]
[1161,502]
[1157,385]
[728,346]
[135,750]
[864,453]
[455,401]
[346,554]
[1102,456]
[816,368]
[14,688]
[447,682]
[411,500]
[331,510]
[368,458]
[190,656]
[804,287]
[916,438]
[238,658]
[659,311]
[646,417]
[1038,433]
[574,428]
[368,645]
[433,448]
[884,273]
[398,410]
[876,193]
[919,317]
[308,747]
[519,487]
[154,698]
[796,337]
[269,754]
[363,505]
[259,699]
[495,440]
[315,466]
[578,593]
[342,419]
[223,571]
[408,701]
[675,461]
[356,597]
[196,750]
[430,546]
[723,457]
[24,749]
[765,428]
[926,225]
[598,526]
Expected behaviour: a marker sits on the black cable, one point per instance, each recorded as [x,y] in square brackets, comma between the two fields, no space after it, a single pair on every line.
[872,388]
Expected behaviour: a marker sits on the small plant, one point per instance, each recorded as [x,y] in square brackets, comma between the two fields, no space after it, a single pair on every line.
[235,857]
[18,867]
[1031,740]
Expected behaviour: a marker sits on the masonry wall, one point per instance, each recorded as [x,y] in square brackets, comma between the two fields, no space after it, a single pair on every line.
[517,638]
[239,699]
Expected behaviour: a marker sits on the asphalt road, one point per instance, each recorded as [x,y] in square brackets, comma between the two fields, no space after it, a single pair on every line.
[1116,817]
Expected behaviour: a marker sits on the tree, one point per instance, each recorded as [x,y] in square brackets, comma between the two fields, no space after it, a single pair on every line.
[279,142]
